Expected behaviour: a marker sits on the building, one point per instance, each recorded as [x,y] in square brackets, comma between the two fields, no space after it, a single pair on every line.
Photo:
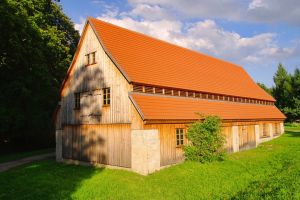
[127,100]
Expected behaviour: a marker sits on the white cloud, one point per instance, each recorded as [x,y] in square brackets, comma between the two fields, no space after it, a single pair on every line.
[152,12]
[163,29]
[265,11]
[79,26]
[257,4]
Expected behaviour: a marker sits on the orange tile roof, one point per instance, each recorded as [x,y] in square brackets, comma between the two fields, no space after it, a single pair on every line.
[143,59]
[153,107]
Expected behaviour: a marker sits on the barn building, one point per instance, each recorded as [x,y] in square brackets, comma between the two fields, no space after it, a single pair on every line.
[128,98]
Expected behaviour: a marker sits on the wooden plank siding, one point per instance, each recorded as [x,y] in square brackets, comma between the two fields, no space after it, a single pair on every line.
[89,82]
[227,132]
[246,137]
[105,144]
[169,152]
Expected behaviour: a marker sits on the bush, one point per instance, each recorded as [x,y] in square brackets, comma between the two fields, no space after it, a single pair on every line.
[205,140]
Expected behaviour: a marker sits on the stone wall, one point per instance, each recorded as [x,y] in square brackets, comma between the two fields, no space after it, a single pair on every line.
[145,151]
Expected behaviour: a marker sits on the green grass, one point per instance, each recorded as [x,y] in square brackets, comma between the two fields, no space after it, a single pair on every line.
[272,171]
[292,127]
[16,156]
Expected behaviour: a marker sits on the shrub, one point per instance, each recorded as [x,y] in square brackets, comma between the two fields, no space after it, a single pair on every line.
[205,140]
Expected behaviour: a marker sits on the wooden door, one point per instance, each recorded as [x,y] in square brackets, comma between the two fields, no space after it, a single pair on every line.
[246,137]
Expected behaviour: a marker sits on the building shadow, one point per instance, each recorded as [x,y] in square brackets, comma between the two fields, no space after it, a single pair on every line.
[293,133]
[47,180]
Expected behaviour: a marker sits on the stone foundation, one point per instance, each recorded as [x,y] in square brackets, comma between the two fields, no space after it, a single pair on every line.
[58,137]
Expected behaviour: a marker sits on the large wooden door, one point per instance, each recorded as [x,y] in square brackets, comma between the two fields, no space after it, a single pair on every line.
[246,137]
[227,132]
[104,144]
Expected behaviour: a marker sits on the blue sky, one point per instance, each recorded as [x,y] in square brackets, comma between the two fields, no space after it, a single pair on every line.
[256,34]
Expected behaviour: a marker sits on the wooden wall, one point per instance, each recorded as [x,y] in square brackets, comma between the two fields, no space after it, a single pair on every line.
[89,81]
[105,144]
[171,154]
[246,137]
[227,131]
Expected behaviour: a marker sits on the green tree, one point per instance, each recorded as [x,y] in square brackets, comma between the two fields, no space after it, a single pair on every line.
[283,87]
[37,42]
[296,83]
[287,92]
[205,140]
[265,88]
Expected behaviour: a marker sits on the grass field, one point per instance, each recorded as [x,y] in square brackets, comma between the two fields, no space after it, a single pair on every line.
[293,126]
[16,156]
[272,171]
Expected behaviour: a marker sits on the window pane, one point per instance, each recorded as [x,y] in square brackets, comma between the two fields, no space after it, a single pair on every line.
[179,136]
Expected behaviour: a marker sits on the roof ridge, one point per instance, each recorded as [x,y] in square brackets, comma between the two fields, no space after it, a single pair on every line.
[166,42]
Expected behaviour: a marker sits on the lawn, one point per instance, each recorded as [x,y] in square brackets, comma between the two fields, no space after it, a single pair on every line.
[272,171]
[292,126]
[16,156]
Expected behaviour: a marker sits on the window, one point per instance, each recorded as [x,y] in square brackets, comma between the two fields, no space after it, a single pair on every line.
[106,96]
[77,101]
[90,58]
[179,136]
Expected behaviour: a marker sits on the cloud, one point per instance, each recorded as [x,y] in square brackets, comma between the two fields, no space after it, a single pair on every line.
[261,11]
[79,26]
[155,18]
[152,12]
[274,11]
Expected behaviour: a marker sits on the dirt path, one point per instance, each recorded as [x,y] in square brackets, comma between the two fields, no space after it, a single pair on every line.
[8,165]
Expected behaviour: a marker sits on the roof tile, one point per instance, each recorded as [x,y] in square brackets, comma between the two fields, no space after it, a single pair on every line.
[154,107]
[151,61]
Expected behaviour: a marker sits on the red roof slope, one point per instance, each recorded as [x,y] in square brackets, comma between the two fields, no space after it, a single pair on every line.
[153,107]
[143,59]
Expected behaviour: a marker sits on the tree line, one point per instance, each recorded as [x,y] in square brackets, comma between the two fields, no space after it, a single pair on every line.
[37,41]
[286,92]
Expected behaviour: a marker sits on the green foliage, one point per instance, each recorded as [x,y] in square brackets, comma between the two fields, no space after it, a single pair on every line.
[205,140]
[287,92]
[283,87]
[271,171]
[265,88]
[37,42]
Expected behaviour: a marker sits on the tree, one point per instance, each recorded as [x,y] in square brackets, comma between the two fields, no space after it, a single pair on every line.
[205,140]
[287,92]
[37,42]
[265,88]
[296,83]
[283,87]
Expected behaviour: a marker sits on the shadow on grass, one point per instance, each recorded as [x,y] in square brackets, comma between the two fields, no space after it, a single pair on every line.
[292,133]
[44,180]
